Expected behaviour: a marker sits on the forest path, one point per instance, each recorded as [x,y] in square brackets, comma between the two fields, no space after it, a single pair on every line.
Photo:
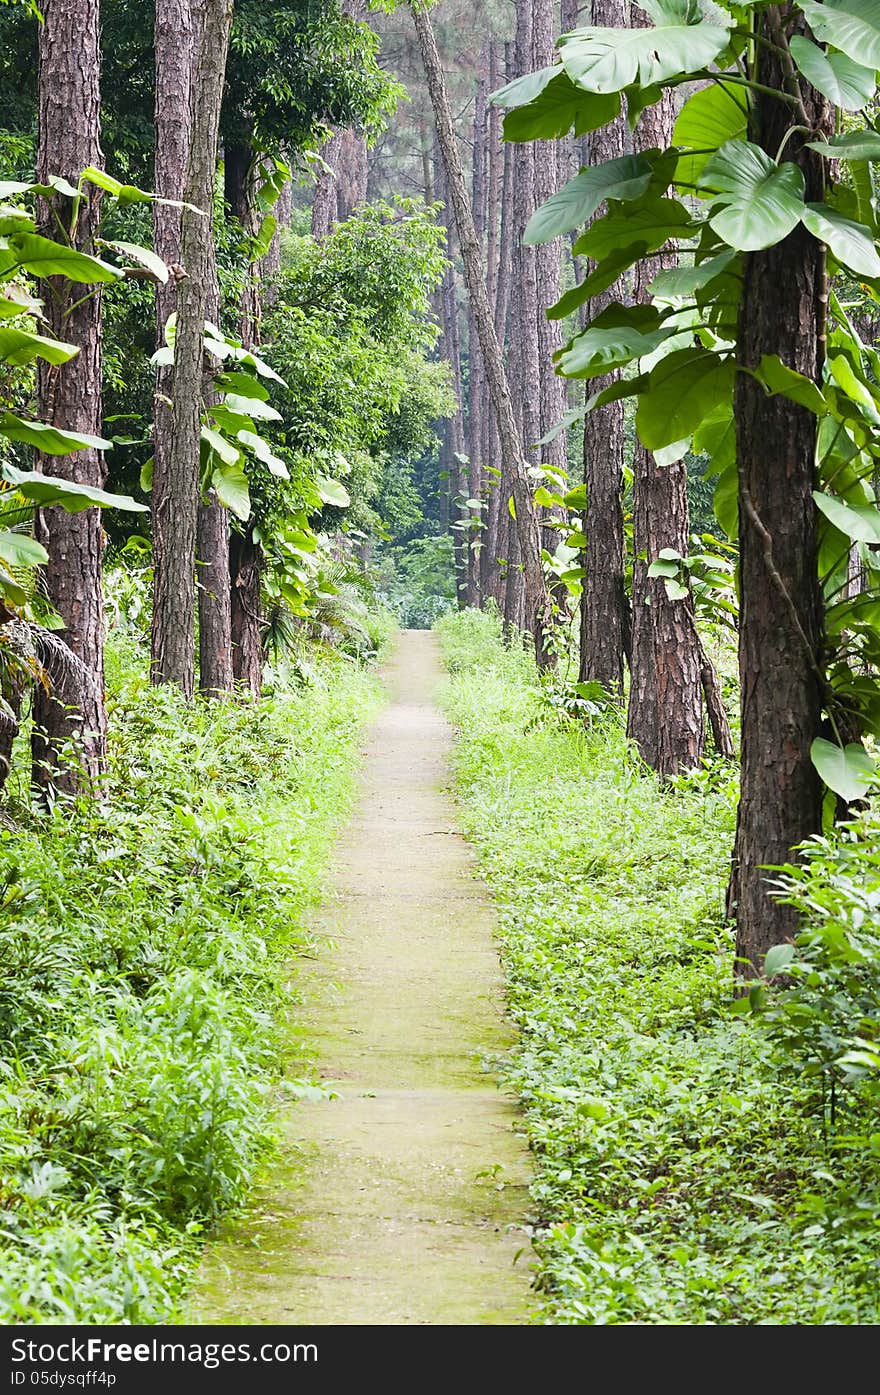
[377,1212]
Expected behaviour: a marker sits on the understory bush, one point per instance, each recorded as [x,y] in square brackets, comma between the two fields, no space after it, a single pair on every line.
[685,1169]
[142,950]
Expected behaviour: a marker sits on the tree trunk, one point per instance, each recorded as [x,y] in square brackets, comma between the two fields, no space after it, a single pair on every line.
[271,263]
[216,675]
[604,605]
[665,717]
[782,312]
[553,395]
[175,62]
[173,649]
[476,373]
[325,209]
[720,726]
[70,398]
[247,654]
[490,571]
[538,602]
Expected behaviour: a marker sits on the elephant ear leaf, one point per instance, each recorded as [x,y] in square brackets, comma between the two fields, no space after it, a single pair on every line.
[609,60]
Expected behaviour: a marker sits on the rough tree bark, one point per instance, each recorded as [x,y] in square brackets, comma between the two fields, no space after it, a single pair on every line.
[538,607]
[216,669]
[173,120]
[476,370]
[604,617]
[70,398]
[497,158]
[173,650]
[665,716]
[553,395]
[782,312]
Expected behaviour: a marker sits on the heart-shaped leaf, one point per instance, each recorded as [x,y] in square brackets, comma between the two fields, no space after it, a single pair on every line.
[760,202]
[684,389]
[627,177]
[853,26]
[850,243]
[843,81]
[608,60]
[848,771]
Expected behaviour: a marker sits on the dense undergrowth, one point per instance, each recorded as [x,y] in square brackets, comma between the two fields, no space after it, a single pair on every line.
[689,1169]
[142,948]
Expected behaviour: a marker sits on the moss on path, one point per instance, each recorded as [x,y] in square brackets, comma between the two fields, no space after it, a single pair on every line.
[401,1201]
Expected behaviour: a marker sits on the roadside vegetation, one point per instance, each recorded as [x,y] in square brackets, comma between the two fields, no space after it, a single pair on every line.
[146,944]
[692,1164]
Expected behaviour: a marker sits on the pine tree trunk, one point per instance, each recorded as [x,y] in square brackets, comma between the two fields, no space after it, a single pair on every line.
[247,654]
[216,674]
[537,600]
[554,398]
[665,716]
[604,604]
[70,398]
[782,312]
[490,571]
[173,648]
[476,373]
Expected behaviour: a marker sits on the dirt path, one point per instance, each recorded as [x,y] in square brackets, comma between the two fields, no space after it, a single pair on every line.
[378,1213]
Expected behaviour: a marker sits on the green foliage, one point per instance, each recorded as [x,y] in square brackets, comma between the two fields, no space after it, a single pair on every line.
[142,945]
[417,581]
[682,1171]
[828,1018]
[679,355]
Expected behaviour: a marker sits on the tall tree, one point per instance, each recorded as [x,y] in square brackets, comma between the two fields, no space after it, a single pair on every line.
[604,614]
[216,651]
[476,370]
[538,606]
[70,398]
[553,395]
[782,312]
[665,715]
[173,652]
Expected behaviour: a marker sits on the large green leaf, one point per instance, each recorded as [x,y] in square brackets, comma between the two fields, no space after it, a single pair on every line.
[850,243]
[13,220]
[685,281]
[783,381]
[523,90]
[251,406]
[853,26]
[558,108]
[18,346]
[608,60]
[683,390]
[848,771]
[223,449]
[843,81]
[43,257]
[860,523]
[70,495]
[599,279]
[627,177]
[19,550]
[709,119]
[264,453]
[851,145]
[143,257]
[854,387]
[48,439]
[616,337]
[760,202]
[651,224]
[244,384]
[332,492]
[231,487]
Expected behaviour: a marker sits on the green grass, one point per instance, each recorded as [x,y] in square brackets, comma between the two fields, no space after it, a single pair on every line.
[684,1174]
[144,948]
